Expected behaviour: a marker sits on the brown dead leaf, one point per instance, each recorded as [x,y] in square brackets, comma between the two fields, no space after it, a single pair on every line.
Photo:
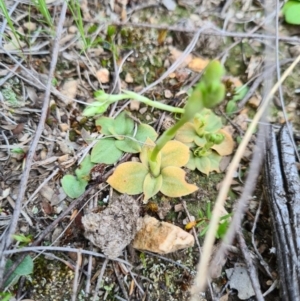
[175,54]
[241,121]
[254,101]
[18,129]
[198,64]
[46,207]
[227,146]
[253,66]
[69,89]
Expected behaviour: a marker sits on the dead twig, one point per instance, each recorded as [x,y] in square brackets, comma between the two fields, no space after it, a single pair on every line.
[250,267]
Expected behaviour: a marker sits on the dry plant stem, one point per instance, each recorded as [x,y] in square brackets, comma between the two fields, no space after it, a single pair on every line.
[76,277]
[120,280]
[23,185]
[280,86]
[212,30]
[210,237]
[62,249]
[250,267]
[261,260]
[212,295]
[100,279]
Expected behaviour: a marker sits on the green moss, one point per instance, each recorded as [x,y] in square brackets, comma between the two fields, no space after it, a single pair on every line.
[51,281]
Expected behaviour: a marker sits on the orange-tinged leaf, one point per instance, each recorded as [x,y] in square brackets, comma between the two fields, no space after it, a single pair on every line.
[227,146]
[190,225]
[186,133]
[174,184]
[174,153]
[128,178]
[151,186]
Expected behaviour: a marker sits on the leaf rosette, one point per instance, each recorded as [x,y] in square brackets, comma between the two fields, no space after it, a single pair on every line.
[122,136]
[137,177]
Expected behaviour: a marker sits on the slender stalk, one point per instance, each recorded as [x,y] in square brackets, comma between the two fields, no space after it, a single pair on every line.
[154,104]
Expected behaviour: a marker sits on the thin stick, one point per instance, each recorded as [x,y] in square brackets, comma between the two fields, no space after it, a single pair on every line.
[200,279]
[100,279]
[76,277]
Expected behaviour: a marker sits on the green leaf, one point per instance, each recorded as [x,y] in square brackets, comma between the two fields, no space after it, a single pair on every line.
[129,178]
[213,122]
[134,145]
[84,169]
[128,145]
[203,165]
[22,238]
[151,186]
[145,131]
[231,107]
[291,11]
[23,269]
[208,163]
[123,124]
[106,124]
[192,162]
[5,296]
[174,184]
[105,151]
[240,93]
[73,187]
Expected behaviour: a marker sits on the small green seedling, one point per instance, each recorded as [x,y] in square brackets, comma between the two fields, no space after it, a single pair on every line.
[160,166]
[291,12]
[23,239]
[74,186]
[203,222]
[239,94]
[122,136]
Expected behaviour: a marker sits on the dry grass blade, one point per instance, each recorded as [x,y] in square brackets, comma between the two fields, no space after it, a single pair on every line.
[202,270]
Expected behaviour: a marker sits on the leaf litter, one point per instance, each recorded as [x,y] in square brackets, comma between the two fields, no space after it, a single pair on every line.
[76,77]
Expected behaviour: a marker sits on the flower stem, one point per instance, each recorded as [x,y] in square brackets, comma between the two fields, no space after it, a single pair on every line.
[154,104]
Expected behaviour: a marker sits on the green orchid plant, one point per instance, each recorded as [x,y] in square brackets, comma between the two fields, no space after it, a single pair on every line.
[160,166]
[202,135]
[122,136]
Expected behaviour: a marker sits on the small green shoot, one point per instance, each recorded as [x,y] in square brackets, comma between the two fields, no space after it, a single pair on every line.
[23,239]
[291,12]
[41,6]
[5,296]
[239,94]
[7,17]
[74,7]
[203,222]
